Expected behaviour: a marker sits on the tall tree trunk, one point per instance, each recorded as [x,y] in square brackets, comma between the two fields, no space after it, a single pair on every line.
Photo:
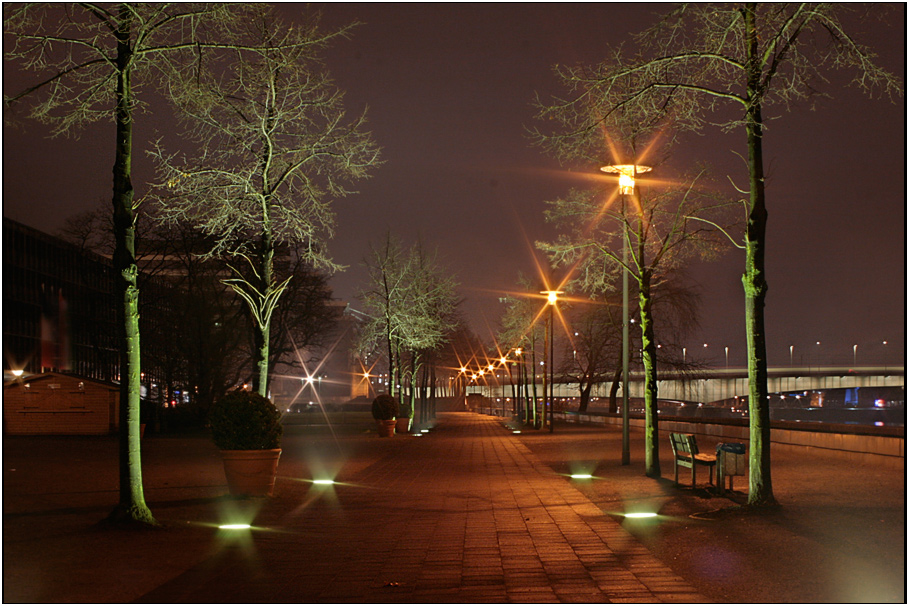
[533,382]
[132,506]
[391,359]
[651,416]
[263,325]
[755,283]
[614,389]
[586,387]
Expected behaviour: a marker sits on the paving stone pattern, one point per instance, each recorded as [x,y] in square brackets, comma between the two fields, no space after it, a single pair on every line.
[464,514]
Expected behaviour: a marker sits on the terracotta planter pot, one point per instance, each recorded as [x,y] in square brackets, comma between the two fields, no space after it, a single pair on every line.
[386,428]
[402,424]
[251,472]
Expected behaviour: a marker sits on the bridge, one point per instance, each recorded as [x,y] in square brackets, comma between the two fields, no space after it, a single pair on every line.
[714,385]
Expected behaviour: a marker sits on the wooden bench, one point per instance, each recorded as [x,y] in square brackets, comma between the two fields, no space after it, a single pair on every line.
[685,453]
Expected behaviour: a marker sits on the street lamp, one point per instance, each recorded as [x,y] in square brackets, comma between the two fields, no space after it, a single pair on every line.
[552,297]
[522,386]
[627,174]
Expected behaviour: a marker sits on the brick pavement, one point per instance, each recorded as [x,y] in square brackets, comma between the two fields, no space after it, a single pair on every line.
[464,514]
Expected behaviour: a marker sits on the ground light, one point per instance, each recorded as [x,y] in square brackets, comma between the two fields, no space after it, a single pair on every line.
[641,514]
[324,482]
[581,476]
[234,527]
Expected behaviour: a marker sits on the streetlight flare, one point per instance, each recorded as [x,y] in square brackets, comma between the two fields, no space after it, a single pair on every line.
[627,174]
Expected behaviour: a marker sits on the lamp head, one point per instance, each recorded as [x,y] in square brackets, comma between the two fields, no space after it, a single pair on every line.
[627,174]
[551,296]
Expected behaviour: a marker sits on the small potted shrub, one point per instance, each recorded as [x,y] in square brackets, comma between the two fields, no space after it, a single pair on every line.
[247,428]
[384,409]
[404,415]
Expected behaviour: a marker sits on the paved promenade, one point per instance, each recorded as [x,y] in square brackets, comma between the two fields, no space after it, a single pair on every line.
[464,514]
[467,513]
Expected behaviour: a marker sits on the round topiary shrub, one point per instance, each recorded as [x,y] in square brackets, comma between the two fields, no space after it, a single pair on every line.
[384,407]
[244,420]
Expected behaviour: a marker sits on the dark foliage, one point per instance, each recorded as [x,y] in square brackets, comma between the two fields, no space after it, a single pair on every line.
[384,407]
[244,420]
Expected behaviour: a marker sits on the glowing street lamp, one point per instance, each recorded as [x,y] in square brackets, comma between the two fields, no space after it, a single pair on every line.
[627,175]
[552,297]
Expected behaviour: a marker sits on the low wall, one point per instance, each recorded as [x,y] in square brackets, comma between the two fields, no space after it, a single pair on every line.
[848,439]
[329,418]
[884,441]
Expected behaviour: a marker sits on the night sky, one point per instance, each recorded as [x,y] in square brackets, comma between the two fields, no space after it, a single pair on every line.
[449,91]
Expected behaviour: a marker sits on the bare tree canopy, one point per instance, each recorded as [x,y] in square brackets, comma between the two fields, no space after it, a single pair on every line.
[275,144]
[275,149]
[411,303]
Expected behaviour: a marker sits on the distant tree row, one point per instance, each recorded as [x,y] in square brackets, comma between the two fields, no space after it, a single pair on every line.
[411,306]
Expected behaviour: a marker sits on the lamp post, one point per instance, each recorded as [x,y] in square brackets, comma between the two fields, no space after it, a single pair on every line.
[521,386]
[552,296]
[627,174]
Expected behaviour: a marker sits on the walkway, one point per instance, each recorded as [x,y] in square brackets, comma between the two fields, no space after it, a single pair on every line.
[463,514]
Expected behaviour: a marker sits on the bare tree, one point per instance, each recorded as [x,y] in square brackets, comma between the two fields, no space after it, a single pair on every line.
[520,329]
[305,320]
[411,302]
[275,149]
[90,62]
[594,352]
[660,235]
[381,297]
[90,230]
[697,61]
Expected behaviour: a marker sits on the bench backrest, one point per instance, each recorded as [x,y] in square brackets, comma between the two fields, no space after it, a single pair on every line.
[683,443]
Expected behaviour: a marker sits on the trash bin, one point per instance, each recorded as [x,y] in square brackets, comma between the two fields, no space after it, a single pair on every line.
[730,461]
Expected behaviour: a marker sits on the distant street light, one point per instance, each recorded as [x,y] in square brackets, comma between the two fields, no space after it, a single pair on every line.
[552,297]
[627,175]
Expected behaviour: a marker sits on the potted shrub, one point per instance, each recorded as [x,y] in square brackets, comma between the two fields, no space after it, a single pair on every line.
[247,428]
[404,415]
[384,409]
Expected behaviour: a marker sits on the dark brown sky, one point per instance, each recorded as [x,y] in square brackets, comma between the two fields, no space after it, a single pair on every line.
[449,89]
